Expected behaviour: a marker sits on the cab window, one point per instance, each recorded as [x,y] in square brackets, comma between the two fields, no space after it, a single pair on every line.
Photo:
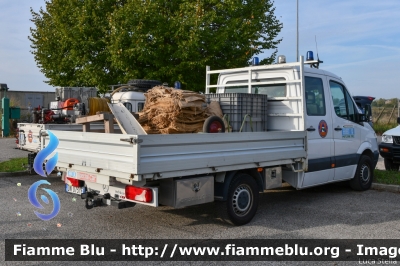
[342,101]
[272,90]
[315,99]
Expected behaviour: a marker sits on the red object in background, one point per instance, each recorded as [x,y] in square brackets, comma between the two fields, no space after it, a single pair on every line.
[17,136]
[48,116]
[69,103]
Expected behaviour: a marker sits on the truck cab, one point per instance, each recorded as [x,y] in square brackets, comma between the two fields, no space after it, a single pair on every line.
[341,142]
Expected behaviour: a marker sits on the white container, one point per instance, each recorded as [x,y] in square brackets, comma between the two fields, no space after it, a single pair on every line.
[133,100]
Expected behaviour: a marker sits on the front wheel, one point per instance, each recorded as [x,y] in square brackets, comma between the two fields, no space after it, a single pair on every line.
[390,166]
[242,201]
[364,174]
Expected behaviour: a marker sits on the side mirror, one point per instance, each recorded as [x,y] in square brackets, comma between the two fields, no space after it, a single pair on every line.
[398,120]
[362,118]
[368,113]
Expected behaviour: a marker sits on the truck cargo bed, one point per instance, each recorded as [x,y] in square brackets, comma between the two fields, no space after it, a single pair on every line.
[164,156]
[29,133]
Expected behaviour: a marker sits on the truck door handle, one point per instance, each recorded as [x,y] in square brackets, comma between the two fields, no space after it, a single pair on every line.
[311,129]
[338,128]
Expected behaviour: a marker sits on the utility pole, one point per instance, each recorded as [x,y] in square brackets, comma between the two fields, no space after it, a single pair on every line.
[297,43]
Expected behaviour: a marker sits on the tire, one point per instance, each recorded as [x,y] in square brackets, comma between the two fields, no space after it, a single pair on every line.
[214,124]
[364,174]
[144,83]
[242,201]
[390,166]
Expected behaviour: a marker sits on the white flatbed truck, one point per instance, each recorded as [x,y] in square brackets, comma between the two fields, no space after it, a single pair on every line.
[314,136]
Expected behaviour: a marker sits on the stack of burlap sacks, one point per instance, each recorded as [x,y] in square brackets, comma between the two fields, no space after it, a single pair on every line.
[171,111]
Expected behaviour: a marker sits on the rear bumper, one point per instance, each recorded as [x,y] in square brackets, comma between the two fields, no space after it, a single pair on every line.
[105,188]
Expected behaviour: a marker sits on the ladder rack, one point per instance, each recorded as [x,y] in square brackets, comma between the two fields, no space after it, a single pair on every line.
[299,79]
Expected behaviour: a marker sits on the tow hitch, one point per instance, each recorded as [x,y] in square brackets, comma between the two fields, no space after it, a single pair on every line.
[93,199]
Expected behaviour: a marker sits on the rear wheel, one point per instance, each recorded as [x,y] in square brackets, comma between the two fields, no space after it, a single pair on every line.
[242,201]
[364,174]
[390,166]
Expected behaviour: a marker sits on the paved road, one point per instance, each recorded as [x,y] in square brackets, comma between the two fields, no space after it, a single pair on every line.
[8,151]
[332,211]
[380,165]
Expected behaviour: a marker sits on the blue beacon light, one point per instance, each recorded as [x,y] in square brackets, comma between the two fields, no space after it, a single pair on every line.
[255,61]
[310,56]
[177,85]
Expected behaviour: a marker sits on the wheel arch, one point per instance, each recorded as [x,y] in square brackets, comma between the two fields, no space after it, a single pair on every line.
[221,189]
[367,148]
[368,151]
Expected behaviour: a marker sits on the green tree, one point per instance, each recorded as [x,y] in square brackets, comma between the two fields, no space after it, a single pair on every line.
[379,102]
[175,40]
[89,42]
[393,102]
[69,42]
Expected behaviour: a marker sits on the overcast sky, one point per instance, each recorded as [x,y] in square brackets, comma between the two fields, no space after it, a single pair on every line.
[358,40]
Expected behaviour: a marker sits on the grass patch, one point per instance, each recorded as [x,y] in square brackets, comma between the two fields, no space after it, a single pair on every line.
[381,128]
[387,177]
[13,165]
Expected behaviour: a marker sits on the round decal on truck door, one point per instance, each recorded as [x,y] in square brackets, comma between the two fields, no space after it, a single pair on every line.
[323,128]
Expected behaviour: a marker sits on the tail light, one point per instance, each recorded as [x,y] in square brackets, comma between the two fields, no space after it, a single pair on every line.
[76,182]
[139,193]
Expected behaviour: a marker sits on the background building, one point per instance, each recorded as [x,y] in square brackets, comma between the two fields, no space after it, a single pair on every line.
[27,100]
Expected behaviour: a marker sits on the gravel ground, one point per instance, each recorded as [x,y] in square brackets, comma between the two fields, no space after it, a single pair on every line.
[8,151]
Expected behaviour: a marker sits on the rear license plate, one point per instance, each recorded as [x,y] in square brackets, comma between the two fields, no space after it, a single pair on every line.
[74,190]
